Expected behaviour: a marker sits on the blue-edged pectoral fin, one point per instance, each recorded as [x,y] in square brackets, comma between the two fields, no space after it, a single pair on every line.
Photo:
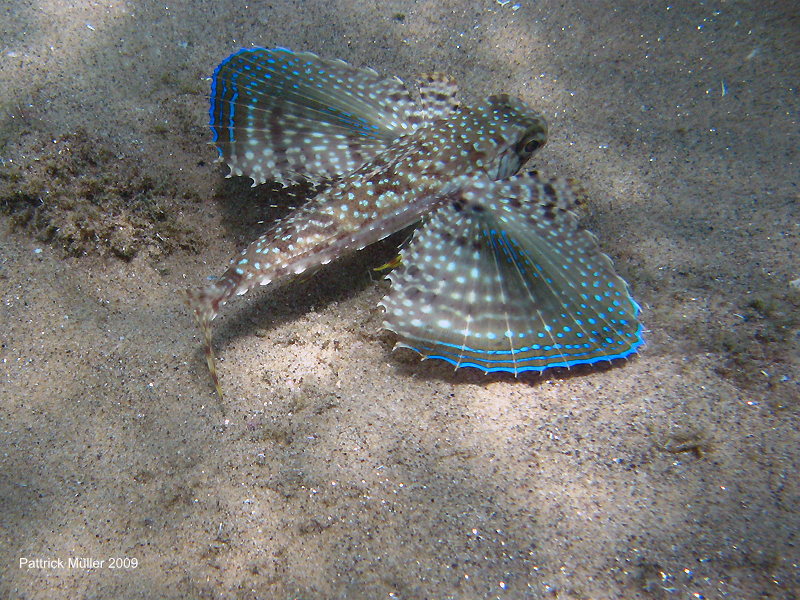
[502,278]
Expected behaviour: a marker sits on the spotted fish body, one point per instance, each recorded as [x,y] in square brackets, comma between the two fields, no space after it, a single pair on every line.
[499,276]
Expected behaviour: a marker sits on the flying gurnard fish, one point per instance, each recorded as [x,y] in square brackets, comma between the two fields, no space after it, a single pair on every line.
[497,276]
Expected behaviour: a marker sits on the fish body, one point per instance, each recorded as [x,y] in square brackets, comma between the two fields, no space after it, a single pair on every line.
[499,276]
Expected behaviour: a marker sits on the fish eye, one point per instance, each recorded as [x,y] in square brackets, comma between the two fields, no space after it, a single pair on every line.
[529,144]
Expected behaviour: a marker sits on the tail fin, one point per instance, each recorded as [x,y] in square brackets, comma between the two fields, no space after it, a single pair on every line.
[202,305]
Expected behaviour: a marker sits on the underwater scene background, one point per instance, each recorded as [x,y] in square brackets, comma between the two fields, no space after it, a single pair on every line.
[334,467]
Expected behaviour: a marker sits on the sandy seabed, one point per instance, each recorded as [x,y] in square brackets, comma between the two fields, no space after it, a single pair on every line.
[340,469]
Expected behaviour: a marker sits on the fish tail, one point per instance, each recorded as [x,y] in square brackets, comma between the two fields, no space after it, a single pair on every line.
[212,364]
[202,304]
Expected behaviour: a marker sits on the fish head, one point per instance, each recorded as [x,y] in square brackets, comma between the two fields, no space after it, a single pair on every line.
[512,132]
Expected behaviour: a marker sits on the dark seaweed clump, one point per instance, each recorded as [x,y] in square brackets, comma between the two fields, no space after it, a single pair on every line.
[78,194]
